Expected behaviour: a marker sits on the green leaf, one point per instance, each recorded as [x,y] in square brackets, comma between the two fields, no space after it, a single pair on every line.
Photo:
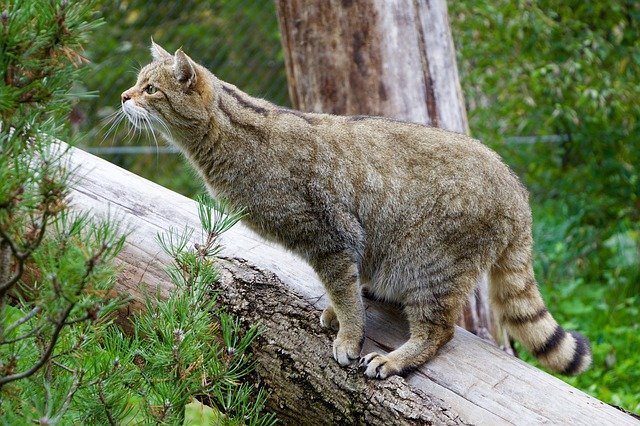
[626,252]
[196,413]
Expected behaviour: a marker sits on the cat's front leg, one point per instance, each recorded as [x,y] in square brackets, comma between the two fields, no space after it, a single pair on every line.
[339,274]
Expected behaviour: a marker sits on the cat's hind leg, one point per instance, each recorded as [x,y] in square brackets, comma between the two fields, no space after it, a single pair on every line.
[432,312]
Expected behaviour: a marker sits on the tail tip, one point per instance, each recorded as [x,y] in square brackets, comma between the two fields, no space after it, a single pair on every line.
[582,357]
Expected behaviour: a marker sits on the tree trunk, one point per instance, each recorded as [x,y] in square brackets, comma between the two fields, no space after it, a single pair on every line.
[392,58]
[468,381]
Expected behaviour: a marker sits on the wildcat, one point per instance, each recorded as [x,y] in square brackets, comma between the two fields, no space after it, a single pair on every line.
[413,214]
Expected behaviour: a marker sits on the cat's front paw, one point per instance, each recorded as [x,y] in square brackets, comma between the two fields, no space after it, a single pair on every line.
[329,320]
[346,350]
[379,366]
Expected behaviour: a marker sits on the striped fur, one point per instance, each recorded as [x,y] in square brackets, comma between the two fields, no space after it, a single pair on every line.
[517,301]
[411,213]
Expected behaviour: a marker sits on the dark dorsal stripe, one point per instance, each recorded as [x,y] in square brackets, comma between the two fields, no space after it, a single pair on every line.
[244,102]
[525,319]
[298,114]
[377,117]
[552,342]
[582,349]
[249,126]
[361,117]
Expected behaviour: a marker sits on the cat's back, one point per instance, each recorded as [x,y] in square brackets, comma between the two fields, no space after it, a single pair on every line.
[418,153]
[411,166]
[405,140]
[384,160]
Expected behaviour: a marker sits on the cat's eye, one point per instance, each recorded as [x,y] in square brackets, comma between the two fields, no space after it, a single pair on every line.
[150,89]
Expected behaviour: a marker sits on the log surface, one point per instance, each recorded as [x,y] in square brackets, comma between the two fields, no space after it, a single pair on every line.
[469,381]
[294,361]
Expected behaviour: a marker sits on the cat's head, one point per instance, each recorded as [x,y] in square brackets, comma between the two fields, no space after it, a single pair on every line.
[172,94]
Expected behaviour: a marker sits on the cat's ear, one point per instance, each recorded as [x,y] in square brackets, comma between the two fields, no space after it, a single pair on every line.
[183,68]
[157,52]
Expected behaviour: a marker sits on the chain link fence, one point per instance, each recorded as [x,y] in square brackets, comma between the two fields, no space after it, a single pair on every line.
[239,40]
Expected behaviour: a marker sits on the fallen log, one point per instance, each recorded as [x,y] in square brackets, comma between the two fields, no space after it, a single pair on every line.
[469,382]
[294,361]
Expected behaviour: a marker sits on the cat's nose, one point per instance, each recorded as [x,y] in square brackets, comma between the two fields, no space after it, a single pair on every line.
[125,97]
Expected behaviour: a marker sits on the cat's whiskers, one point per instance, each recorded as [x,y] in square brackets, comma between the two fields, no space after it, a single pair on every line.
[163,126]
[148,125]
[114,119]
[130,127]
[138,128]
[136,116]
[142,120]
[109,118]
[136,68]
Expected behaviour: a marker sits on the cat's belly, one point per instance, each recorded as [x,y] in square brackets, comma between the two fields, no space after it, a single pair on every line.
[379,286]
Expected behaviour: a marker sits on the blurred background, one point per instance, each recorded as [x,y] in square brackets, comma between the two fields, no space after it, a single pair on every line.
[552,86]
[238,40]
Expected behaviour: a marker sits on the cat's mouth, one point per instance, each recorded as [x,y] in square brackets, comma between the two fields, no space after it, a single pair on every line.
[143,120]
[137,116]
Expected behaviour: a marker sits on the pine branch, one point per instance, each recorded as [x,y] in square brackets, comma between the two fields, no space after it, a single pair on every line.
[45,356]
[105,404]
[64,367]
[59,324]
[72,391]
[22,256]
[35,311]
[17,254]
[89,316]
[30,333]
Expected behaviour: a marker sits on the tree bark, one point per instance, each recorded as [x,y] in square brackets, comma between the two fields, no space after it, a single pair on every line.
[468,381]
[295,361]
[392,58]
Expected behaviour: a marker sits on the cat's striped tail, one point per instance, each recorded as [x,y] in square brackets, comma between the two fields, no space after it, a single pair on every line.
[518,304]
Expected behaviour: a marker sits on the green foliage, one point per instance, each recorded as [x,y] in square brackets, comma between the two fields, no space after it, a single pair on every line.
[183,353]
[180,349]
[569,68]
[55,266]
[40,44]
[548,67]
[606,311]
[197,414]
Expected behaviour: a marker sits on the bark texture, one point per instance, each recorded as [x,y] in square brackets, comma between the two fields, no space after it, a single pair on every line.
[381,57]
[294,361]
[392,58]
